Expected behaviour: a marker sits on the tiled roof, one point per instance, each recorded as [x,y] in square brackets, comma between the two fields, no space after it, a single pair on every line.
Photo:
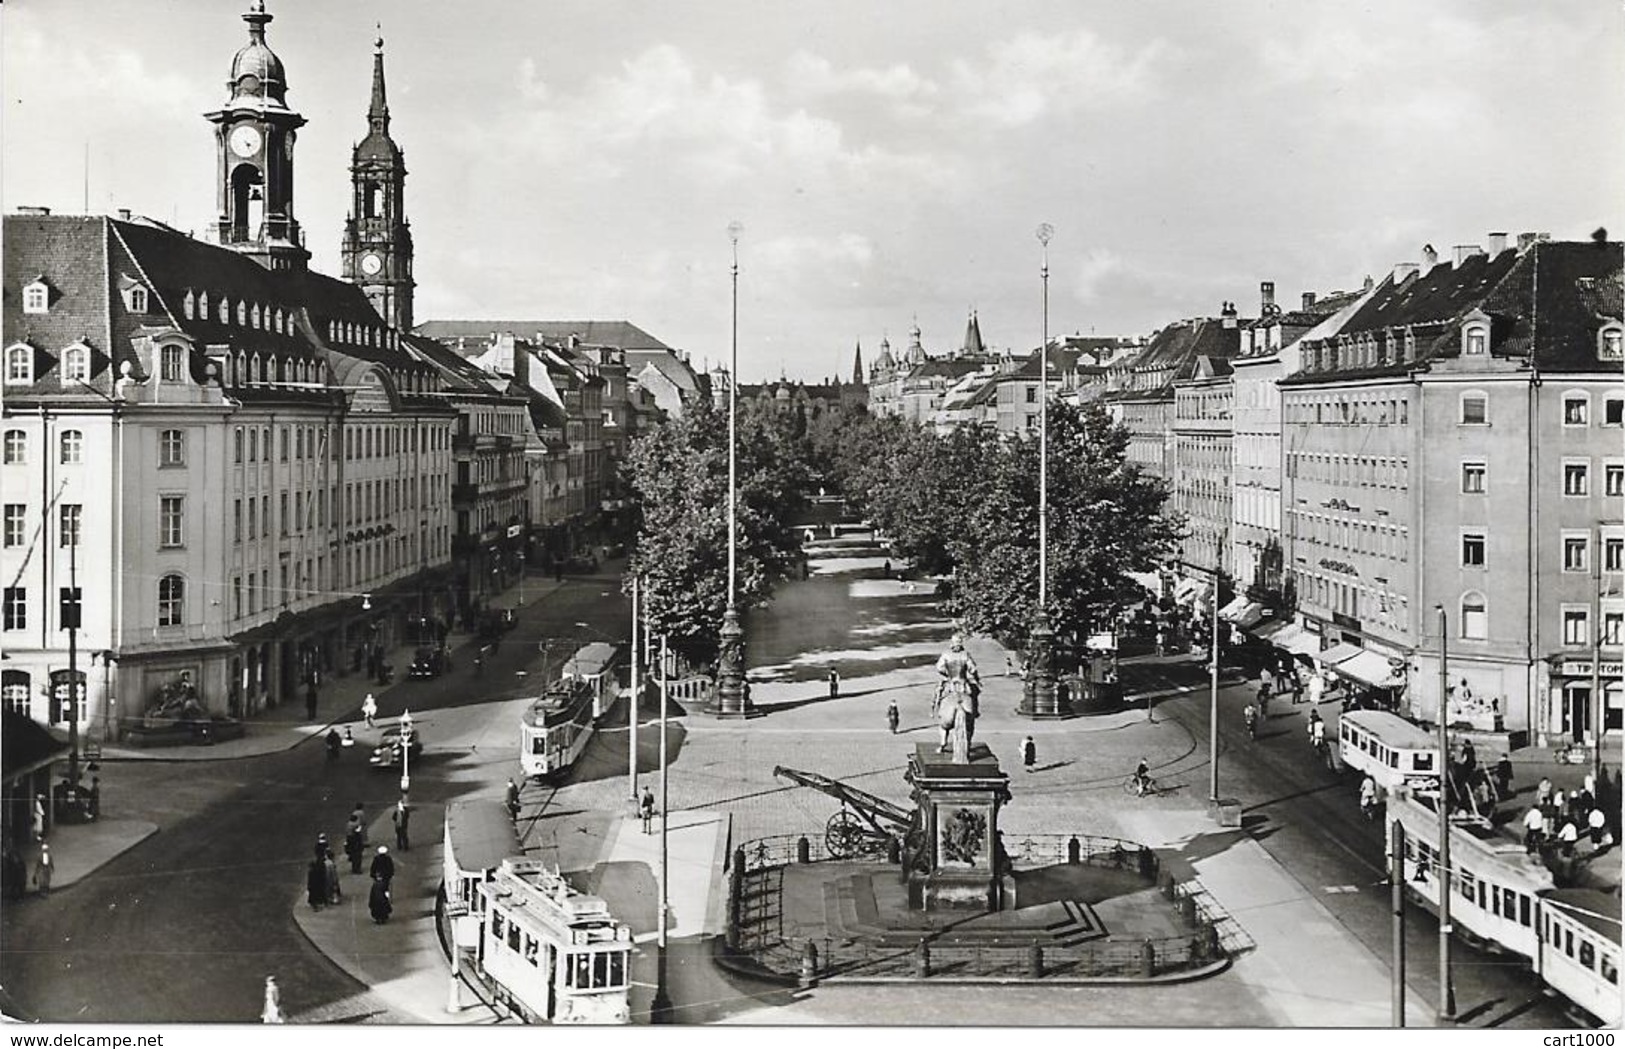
[457,373]
[69,254]
[1171,355]
[622,334]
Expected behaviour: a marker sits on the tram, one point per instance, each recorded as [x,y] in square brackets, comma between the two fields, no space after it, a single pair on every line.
[479,835]
[553,953]
[595,665]
[1387,748]
[554,730]
[1503,897]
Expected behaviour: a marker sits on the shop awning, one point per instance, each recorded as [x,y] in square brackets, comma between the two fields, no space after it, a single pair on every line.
[1251,613]
[1186,590]
[1269,630]
[1337,653]
[1369,668]
[1295,639]
[1149,580]
[1233,608]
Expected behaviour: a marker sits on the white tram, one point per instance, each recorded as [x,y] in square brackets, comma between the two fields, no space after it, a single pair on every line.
[1389,749]
[479,836]
[554,730]
[1501,895]
[595,664]
[552,952]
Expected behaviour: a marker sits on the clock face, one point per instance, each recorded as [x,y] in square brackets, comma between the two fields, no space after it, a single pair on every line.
[371,264]
[245,141]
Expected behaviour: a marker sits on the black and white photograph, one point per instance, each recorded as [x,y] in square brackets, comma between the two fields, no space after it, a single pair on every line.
[1021,517]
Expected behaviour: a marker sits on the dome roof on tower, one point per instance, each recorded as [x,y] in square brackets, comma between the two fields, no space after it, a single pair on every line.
[256,71]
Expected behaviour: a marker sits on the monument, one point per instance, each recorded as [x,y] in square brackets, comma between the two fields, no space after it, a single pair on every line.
[954,860]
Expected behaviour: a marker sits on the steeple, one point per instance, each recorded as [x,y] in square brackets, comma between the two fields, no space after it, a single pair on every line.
[378,112]
[857,364]
[973,338]
[377,249]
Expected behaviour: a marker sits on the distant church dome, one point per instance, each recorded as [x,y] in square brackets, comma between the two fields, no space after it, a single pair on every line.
[256,71]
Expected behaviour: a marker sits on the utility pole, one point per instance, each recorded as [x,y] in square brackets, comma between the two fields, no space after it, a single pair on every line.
[71,614]
[1396,900]
[1447,991]
[1213,681]
[660,1007]
[1597,709]
[632,712]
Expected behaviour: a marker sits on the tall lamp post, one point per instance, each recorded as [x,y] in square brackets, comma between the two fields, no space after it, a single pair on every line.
[1039,696]
[1447,986]
[732,699]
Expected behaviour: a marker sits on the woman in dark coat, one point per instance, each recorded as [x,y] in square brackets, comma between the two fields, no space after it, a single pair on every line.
[316,884]
[378,901]
[353,846]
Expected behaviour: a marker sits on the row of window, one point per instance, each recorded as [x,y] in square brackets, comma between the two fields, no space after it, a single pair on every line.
[1351,471]
[1343,410]
[1388,541]
[1356,600]
[71,447]
[171,604]
[1576,551]
[1577,409]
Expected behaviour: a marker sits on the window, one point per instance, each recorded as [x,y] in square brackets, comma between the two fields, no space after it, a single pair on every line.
[17,690]
[1613,411]
[1613,554]
[16,608]
[75,364]
[1576,409]
[1576,478]
[1613,625]
[171,520]
[172,448]
[71,514]
[1575,550]
[237,520]
[1475,339]
[16,447]
[237,445]
[171,359]
[1472,478]
[1474,616]
[1032,395]
[1472,549]
[253,517]
[1613,479]
[73,447]
[36,297]
[1611,343]
[171,601]
[1576,626]
[14,523]
[138,300]
[1474,409]
[20,364]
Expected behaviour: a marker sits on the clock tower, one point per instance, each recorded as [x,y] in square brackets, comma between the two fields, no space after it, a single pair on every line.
[254,137]
[377,239]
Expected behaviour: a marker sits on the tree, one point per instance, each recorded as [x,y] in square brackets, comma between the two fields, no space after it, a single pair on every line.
[678,472]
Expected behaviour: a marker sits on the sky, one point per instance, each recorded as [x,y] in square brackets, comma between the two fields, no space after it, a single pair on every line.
[890,163]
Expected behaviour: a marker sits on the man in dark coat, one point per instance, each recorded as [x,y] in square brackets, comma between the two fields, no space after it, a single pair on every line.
[353,847]
[402,818]
[383,868]
[316,884]
[378,904]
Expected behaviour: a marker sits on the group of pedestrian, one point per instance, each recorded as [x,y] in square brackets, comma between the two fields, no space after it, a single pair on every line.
[1558,820]
[322,886]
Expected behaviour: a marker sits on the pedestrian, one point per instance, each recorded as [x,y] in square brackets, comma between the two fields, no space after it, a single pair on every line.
[39,817]
[886,568]
[95,797]
[272,1012]
[402,818]
[378,902]
[1543,792]
[1469,759]
[330,871]
[316,890]
[310,702]
[1162,641]
[358,821]
[1568,836]
[1559,806]
[1029,753]
[369,710]
[513,799]
[323,849]
[335,743]
[1266,682]
[1534,829]
[44,870]
[834,683]
[1317,689]
[646,809]
[1591,784]
[354,846]
[892,716]
[1598,824]
[383,867]
[1503,776]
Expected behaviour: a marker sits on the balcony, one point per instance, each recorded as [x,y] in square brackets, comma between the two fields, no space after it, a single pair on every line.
[462,495]
[462,442]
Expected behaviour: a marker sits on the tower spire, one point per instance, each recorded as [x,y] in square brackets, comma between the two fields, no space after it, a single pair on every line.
[857,363]
[378,110]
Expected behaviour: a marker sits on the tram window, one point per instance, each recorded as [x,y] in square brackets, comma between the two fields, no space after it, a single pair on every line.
[1509,903]
[1422,761]
[496,926]
[600,970]
[1481,887]
[1523,910]
[538,744]
[1568,942]
[530,949]
[617,969]
[513,937]
[1495,901]
[1465,887]
[1588,954]
[583,969]
[1609,968]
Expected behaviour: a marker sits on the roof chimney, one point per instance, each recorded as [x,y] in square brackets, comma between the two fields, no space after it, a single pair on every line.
[124,214]
[1467,251]
[33,209]
[1228,315]
[1404,271]
[1498,244]
[1524,241]
[1369,283]
[1266,295]
[1308,299]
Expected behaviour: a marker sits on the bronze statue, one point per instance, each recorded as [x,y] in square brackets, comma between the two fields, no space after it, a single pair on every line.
[961,686]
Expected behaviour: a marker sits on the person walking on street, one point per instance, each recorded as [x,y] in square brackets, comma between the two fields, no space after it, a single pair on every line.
[354,846]
[1598,824]
[316,890]
[378,902]
[1503,776]
[1162,641]
[513,799]
[1029,753]
[369,710]
[383,867]
[272,1011]
[330,870]
[402,817]
[1543,792]
[43,872]
[1317,688]
[892,717]
[1568,836]
[646,809]
[834,683]
[1534,829]
[38,826]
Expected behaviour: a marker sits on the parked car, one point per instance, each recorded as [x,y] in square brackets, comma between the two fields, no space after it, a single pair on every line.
[430,661]
[387,754]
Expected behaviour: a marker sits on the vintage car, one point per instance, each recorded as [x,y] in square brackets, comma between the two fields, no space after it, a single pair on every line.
[387,754]
[430,661]
[583,563]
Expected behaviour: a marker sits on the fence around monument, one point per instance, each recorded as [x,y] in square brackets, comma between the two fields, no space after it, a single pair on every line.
[756,927]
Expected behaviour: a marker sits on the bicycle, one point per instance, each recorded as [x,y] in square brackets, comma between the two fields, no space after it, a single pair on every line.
[1139,786]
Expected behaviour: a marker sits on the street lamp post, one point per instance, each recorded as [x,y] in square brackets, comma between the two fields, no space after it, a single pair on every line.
[632,709]
[1447,987]
[661,1007]
[1039,696]
[406,750]
[732,699]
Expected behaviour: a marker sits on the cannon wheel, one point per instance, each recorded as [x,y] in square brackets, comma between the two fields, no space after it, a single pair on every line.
[845,836]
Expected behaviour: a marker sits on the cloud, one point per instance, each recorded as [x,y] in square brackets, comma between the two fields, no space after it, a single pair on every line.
[1032,76]
[907,93]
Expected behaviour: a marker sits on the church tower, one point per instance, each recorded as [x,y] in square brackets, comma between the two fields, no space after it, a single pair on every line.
[254,137]
[377,240]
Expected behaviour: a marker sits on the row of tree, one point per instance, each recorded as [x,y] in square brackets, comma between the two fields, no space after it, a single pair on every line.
[961,505]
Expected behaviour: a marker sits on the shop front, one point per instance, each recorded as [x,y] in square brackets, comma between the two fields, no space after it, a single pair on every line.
[1572,707]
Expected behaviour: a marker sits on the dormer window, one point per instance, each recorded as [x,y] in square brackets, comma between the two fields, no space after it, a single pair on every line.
[172,362]
[137,299]
[225,311]
[1611,342]
[36,297]
[75,365]
[242,314]
[189,305]
[203,305]
[254,315]
[1475,335]
[254,368]
[276,325]
[19,364]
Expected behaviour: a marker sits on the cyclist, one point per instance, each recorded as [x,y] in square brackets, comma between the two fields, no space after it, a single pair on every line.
[1142,777]
[1249,714]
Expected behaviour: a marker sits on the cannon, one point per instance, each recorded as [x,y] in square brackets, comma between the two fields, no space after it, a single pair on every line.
[865,826]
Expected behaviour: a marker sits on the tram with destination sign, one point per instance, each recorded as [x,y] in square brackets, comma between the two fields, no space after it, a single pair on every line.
[1503,897]
[555,729]
[1389,749]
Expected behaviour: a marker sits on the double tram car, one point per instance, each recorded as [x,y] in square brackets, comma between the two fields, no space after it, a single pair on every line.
[551,952]
[1503,897]
[479,836]
[595,666]
[554,730]
[1387,748]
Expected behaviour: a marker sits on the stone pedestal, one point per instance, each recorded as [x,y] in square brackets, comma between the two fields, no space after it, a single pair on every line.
[732,698]
[957,863]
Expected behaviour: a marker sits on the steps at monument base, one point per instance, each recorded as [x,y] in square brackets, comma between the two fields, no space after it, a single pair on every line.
[853,912]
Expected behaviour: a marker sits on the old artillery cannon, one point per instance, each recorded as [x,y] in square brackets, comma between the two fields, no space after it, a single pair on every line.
[865,826]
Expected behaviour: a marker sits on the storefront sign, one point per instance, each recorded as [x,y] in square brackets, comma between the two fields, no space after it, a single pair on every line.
[1338,566]
[514,531]
[1582,668]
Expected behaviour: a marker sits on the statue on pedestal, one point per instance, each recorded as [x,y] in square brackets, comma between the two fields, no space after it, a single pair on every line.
[955,705]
